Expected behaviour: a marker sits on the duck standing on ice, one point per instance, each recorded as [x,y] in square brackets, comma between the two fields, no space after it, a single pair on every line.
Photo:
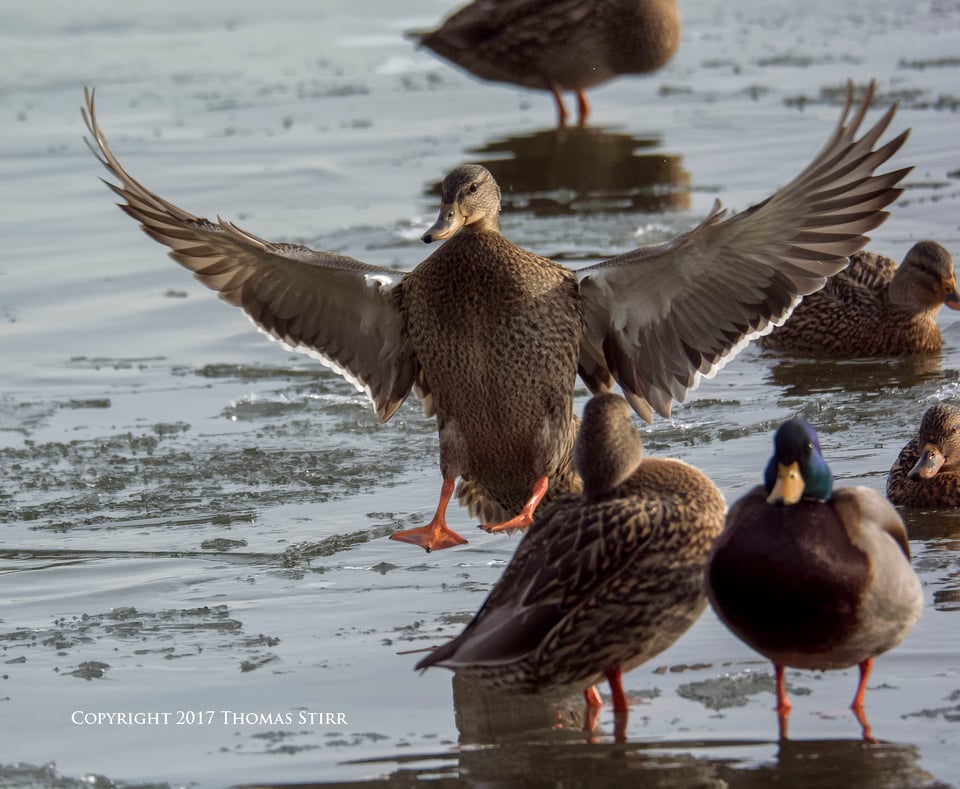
[812,576]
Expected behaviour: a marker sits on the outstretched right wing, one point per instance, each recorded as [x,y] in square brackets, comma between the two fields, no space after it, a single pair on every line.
[337,309]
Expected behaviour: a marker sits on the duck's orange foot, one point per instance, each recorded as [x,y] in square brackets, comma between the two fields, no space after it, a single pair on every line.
[524,519]
[436,534]
[521,521]
[432,537]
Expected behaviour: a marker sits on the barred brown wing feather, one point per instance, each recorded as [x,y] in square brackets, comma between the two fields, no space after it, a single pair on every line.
[337,309]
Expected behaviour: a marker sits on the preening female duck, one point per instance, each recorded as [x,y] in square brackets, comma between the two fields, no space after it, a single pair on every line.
[605,580]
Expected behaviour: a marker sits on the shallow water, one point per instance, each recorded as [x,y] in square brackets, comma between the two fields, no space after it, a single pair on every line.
[195,521]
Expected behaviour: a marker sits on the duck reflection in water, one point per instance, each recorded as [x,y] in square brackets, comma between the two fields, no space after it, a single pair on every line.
[836,763]
[603,580]
[559,172]
[505,739]
[804,377]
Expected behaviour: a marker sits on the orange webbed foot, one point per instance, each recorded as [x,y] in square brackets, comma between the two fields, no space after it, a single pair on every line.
[432,537]
[520,521]
[524,518]
[436,535]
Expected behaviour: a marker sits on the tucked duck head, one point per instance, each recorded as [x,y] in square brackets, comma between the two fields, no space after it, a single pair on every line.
[939,441]
[608,448]
[471,198]
[925,279]
[797,470]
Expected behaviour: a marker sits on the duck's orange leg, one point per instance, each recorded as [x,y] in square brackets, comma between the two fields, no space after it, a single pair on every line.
[620,707]
[561,109]
[783,703]
[583,108]
[592,715]
[861,717]
[592,696]
[865,668]
[614,677]
[865,729]
[436,534]
[525,516]
[857,706]
[783,720]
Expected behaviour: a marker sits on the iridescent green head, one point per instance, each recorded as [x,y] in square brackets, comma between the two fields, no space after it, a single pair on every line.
[797,470]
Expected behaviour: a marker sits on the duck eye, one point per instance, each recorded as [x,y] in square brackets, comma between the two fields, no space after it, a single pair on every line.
[474,186]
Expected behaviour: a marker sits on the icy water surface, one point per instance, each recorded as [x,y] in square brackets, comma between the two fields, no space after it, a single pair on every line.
[194,522]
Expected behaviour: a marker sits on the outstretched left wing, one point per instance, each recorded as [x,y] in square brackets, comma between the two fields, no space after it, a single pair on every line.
[660,318]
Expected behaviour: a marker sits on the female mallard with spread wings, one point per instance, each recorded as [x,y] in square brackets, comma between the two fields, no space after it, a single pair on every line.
[491,337]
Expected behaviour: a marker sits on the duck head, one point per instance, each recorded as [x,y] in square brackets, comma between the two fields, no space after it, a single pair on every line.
[797,470]
[939,441]
[608,447]
[925,279]
[470,198]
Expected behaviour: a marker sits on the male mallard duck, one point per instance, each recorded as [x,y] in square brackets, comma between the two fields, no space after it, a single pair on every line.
[603,580]
[812,577]
[491,337]
[874,308]
[558,45]
[927,471]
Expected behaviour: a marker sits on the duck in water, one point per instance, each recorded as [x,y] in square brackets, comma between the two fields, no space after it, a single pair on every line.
[604,580]
[810,576]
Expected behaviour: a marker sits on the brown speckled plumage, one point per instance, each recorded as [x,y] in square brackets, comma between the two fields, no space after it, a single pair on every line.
[558,45]
[874,308]
[605,579]
[504,401]
[927,471]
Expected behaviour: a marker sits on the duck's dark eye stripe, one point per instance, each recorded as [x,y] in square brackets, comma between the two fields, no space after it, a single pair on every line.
[929,271]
